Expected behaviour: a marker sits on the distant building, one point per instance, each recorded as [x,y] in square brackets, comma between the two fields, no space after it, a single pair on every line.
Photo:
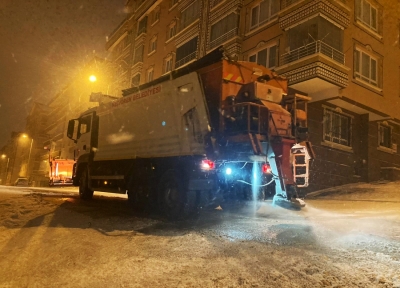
[27,154]
[36,122]
[343,53]
[14,158]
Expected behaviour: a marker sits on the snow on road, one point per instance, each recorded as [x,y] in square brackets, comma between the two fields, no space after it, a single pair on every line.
[348,237]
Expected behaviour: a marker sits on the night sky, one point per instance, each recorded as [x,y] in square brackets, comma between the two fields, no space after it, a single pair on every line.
[43,44]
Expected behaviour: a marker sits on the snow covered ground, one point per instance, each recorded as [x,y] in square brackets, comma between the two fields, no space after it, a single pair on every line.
[347,236]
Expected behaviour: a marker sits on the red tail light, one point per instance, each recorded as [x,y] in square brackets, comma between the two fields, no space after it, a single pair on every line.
[207,165]
[266,169]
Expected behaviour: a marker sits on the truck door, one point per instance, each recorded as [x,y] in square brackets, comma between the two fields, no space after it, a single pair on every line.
[84,136]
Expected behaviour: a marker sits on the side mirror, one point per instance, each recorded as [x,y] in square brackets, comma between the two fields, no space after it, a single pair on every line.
[71,133]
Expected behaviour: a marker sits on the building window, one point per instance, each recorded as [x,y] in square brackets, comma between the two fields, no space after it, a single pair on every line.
[367,14]
[172,3]
[190,14]
[366,67]
[223,30]
[135,80]
[171,30]
[385,135]
[186,52]
[167,65]
[138,54]
[263,12]
[337,127]
[153,44]
[142,26]
[315,36]
[156,15]
[266,57]
[150,74]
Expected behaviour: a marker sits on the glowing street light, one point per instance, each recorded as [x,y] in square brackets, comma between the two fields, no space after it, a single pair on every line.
[92,78]
[4,156]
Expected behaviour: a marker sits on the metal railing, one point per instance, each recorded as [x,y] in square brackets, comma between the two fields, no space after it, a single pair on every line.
[317,47]
[186,59]
[223,38]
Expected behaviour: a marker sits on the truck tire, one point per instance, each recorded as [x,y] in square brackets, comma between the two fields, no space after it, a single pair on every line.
[84,192]
[171,196]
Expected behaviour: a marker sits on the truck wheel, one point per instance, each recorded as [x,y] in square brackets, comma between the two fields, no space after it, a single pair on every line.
[84,191]
[171,195]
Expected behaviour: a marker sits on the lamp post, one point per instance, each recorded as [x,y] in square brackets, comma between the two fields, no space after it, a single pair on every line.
[29,155]
[8,161]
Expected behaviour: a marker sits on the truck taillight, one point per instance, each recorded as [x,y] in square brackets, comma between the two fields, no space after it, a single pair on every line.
[266,169]
[207,165]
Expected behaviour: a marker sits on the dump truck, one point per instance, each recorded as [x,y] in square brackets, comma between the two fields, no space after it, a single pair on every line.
[60,173]
[216,132]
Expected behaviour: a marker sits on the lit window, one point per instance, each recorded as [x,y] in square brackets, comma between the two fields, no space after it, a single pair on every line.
[150,74]
[263,12]
[365,67]
[265,57]
[385,135]
[153,44]
[367,14]
[337,127]
[167,65]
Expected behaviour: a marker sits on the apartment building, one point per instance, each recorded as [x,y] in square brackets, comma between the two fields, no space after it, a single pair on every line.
[344,54]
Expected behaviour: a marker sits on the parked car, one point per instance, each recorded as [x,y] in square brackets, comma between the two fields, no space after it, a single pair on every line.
[21,182]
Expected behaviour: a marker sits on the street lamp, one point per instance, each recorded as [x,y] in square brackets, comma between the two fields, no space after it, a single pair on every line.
[3,156]
[92,78]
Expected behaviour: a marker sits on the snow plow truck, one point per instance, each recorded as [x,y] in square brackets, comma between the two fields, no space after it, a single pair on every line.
[215,132]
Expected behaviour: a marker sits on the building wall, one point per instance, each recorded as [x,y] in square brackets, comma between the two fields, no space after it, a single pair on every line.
[329,81]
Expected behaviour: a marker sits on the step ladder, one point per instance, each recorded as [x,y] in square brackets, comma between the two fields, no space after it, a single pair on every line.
[300,162]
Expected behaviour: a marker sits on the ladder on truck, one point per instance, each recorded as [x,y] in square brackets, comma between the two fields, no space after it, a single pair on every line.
[300,161]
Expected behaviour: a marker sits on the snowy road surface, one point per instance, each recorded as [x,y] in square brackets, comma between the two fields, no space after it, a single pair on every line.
[348,237]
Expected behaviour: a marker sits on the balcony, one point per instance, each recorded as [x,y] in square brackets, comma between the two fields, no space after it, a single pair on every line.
[316,68]
[317,47]
[223,38]
[186,59]
[301,10]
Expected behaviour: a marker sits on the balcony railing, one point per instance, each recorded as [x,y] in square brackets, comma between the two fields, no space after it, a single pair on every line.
[317,47]
[186,59]
[287,3]
[223,38]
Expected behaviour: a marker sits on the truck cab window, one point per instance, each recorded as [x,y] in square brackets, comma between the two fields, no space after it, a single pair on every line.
[84,124]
